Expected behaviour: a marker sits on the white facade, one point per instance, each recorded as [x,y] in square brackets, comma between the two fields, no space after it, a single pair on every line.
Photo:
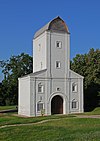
[52,88]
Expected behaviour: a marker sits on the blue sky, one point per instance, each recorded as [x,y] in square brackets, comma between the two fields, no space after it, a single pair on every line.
[20,19]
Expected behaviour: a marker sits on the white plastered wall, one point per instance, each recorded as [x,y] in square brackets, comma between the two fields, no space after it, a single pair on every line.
[78,95]
[54,54]
[39,53]
[24,96]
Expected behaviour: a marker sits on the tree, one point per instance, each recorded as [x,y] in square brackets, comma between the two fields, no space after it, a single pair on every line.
[2,99]
[88,65]
[15,67]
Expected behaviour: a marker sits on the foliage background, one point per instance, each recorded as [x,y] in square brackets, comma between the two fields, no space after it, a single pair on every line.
[87,65]
[15,67]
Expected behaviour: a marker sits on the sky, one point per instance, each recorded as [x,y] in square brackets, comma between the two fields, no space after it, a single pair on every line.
[20,19]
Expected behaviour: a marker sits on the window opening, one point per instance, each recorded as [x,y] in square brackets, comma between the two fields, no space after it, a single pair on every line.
[74,87]
[74,104]
[58,89]
[58,44]
[58,64]
[39,106]
[40,88]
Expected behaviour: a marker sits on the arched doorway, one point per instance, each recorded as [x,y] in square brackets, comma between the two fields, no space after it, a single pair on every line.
[57,105]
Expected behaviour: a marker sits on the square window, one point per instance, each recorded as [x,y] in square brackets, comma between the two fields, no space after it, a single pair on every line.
[58,64]
[58,44]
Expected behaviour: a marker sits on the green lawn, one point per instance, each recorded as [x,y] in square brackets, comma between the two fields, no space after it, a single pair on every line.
[7,107]
[57,128]
[96,111]
[64,129]
[9,118]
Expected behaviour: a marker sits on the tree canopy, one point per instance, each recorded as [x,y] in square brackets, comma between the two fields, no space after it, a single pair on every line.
[16,66]
[88,65]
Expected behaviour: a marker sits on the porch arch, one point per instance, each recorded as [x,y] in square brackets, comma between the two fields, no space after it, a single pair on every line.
[57,105]
[64,103]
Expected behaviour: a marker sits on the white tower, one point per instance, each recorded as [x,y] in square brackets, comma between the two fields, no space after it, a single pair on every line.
[51,48]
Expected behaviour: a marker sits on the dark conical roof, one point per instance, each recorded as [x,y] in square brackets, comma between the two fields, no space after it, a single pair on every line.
[56,24]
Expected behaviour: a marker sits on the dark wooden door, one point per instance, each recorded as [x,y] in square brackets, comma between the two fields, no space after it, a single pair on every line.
[57,105]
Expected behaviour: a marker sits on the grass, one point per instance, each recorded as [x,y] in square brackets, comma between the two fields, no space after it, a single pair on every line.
[96,111]
[7,107]
[8,119]
[66,128]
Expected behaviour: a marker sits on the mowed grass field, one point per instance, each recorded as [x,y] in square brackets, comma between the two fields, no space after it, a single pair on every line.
[7,107]
[53,128]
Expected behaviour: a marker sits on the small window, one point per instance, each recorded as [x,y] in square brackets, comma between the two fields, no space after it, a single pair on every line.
[74,87]
[39,106]
[58,64]
[40,88]
[74,104]
[58,89]
[58,44]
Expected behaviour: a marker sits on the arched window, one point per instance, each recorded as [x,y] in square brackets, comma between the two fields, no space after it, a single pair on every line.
[74,87]
[74,104]
[39,106]
[40,88]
